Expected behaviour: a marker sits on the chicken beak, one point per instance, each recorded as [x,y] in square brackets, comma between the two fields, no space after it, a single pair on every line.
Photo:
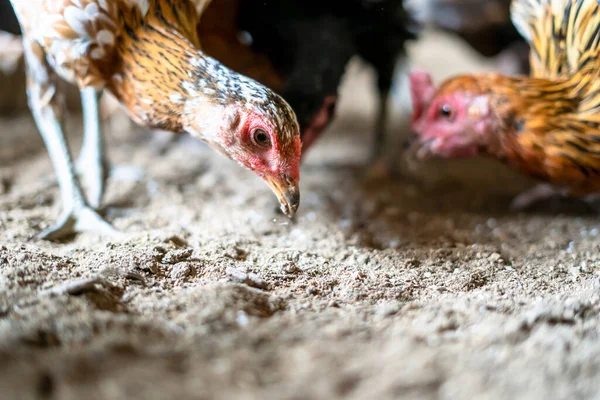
[287,191]
[416,150]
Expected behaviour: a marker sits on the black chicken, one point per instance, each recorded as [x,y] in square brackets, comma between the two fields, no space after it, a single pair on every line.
[311,41]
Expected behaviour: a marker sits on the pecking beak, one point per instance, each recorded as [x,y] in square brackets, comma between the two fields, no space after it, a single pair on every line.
[287,191]
[416,147]
[416,150]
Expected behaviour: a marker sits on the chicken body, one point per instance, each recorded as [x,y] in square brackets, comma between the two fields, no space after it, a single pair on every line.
[312,41]
[548,124]
[146,53]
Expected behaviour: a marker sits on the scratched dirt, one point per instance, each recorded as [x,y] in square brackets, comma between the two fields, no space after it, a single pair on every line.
[424,288]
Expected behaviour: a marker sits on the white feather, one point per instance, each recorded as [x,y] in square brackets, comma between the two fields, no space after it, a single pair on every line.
[106,38]
[77,20]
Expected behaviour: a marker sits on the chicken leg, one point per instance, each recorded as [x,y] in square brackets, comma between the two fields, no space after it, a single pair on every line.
[380,123]
[384,67]
[47,108]
[92,164]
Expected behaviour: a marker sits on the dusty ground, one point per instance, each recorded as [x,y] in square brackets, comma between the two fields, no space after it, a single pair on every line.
[379,289]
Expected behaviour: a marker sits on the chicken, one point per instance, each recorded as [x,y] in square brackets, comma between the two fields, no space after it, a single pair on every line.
[147,54]
[547,124]
[311,41]
[483,24]
[219,36]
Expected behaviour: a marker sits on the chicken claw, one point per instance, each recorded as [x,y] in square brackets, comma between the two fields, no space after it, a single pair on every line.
[536,194]
[82,219]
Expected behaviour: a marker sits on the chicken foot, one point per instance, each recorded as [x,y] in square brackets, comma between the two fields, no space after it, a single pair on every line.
[538,193]
[546,191]
[47,108]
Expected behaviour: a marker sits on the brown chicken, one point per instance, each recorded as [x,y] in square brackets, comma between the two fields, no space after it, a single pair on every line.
[146,53]
[547,125]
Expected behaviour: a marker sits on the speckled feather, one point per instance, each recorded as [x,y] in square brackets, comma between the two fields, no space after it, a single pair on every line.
[551,121]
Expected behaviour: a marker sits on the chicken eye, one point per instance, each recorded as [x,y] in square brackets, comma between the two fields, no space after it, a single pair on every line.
[446,111]
[261,138]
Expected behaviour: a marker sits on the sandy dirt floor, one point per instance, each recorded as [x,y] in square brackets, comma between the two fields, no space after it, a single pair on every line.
[428,288]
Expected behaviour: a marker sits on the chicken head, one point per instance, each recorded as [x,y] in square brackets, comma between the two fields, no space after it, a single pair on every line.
[452,121]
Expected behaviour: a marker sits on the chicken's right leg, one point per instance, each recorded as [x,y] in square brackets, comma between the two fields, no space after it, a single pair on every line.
[46,107]
[92,164]
[380,124]
[380,165]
